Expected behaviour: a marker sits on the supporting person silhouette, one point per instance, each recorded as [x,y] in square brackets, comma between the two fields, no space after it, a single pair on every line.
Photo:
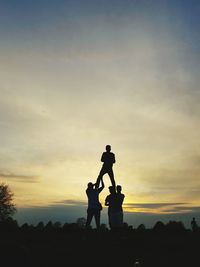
[114,202]
[111,202]
[94,206]
[108,159]
[120,199]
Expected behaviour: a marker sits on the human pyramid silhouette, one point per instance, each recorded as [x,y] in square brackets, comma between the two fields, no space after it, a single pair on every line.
[114,200]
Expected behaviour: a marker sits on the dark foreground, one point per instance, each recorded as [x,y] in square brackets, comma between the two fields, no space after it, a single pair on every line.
[104,248]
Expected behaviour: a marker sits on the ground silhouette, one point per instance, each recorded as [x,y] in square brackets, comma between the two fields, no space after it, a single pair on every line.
[54,244]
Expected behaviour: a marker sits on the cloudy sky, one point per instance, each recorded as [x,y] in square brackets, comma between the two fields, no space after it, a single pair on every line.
[77,75]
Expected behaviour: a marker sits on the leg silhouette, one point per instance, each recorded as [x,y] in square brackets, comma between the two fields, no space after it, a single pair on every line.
[100,177]
[101,174]
[89,218]
[111,175]
[97,219]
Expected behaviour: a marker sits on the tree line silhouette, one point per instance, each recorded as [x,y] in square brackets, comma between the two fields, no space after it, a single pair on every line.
[72,244]
[172,227]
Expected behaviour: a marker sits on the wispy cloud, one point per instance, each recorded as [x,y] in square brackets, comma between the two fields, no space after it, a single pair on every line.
[19,177]
[157,207]
[183,209]
[151,205]
[71,202]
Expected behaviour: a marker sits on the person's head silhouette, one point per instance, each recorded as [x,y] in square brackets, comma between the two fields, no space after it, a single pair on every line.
[112,189]
[90,185]
[108,148]
[119,188]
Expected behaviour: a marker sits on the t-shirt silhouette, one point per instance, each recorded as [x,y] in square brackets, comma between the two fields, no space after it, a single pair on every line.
[108,158]
[93,198]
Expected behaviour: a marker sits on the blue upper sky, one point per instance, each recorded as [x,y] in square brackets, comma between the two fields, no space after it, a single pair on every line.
[33,11]
[25,18]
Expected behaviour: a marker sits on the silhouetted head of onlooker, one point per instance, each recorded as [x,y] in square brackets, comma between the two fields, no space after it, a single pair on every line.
[119,188]
[108,148]
[112,189]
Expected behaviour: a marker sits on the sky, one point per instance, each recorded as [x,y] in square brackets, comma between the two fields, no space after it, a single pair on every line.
[78,75]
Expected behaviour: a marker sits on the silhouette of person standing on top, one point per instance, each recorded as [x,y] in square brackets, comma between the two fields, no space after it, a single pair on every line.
[108,159]
[94,206]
